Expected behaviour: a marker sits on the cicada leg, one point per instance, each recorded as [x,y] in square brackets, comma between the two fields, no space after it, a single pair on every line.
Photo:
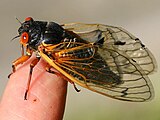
[20,60]
[74,85]
[32,65]
[48,69]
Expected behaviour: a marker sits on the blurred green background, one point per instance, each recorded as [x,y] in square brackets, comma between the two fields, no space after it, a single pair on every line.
[140,17]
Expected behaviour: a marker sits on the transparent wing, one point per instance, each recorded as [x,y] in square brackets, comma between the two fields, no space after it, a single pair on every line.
[119,39]
[120,77]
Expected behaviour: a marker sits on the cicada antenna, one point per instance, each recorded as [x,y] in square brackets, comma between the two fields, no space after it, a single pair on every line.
[18,20]
[15,37]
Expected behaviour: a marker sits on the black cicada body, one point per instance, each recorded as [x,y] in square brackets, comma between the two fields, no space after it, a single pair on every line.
[105,59]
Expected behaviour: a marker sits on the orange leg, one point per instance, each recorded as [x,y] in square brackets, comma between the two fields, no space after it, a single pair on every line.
[20,60]
[32,65]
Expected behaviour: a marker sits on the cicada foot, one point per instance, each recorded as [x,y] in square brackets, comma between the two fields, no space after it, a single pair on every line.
[13,70]
[74,85]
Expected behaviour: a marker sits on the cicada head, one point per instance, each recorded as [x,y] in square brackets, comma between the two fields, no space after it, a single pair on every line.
[30,32]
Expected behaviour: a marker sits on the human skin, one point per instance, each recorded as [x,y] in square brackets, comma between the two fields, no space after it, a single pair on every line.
[46,97]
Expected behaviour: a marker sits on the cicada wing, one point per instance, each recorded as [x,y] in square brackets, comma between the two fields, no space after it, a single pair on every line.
[119,39]
[111,77]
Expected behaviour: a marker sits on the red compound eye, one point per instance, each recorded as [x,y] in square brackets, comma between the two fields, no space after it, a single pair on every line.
[24,38]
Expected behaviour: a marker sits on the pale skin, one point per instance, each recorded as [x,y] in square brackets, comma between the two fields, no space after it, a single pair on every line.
[46,97]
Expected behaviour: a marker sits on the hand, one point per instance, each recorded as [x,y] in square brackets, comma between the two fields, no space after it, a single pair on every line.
[46,96]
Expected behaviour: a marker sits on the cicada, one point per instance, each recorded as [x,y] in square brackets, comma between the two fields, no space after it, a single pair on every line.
[102,58]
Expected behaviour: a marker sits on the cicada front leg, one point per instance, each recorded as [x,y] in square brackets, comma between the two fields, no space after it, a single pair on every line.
[20,60]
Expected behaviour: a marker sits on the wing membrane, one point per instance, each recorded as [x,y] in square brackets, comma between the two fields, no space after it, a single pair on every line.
[125,82]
